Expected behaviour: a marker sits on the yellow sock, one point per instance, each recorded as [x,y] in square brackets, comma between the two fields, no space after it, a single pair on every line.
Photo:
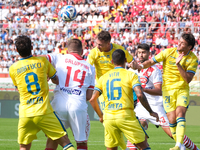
[173,130]
[180,129]
[69,147]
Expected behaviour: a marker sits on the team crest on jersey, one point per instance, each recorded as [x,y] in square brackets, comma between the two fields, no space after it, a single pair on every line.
[144,80]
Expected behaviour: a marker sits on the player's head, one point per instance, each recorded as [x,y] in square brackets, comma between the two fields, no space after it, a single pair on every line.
[186,42]
[143,52]
[118,57]
[75,46]
[23,45]
[103,41]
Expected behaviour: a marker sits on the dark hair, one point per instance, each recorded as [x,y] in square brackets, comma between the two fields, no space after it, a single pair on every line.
[144,47]
[189,38]
[75,45]
[118,57]
[23,45]
[104,36]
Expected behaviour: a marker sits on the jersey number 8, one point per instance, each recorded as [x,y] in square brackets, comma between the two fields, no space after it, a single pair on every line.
[35,90]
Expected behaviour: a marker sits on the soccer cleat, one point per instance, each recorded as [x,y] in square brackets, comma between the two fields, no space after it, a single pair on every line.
[175,148]
[182,147]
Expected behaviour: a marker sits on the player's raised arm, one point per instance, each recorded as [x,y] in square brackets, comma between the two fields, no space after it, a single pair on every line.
[134,65]
[144,102]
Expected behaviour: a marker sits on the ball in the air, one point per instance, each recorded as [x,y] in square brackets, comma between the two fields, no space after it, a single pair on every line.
[68,13]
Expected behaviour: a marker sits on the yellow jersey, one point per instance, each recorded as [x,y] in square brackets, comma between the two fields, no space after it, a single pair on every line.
[117,88]
[172,78]
[29,75]
[102,60]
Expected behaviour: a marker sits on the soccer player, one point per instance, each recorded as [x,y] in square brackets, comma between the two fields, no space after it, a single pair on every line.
[151,80]
[117,87]
[179,67]
[76,84]
[101,55]
[29,75]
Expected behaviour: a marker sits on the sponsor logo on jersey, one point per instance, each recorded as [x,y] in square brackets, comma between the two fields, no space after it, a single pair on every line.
[115,106]
[172,57]
[71,91]
[144,80]
[37,100]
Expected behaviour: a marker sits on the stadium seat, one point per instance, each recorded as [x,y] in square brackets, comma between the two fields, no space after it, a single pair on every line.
[100,18]
[94,18]
[89,18]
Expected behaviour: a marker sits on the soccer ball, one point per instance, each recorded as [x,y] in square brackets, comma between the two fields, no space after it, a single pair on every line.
[68,13]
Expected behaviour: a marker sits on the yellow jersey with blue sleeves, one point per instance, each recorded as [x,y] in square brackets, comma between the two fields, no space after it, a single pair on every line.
[29,75]
[102,60]
[117,88]
[172,78]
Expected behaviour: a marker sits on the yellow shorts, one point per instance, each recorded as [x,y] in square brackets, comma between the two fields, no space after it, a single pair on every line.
[174,98]
[50,124]
[131,128]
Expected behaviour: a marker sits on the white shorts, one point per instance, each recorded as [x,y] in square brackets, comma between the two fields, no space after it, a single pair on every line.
[71,116]
[144,115]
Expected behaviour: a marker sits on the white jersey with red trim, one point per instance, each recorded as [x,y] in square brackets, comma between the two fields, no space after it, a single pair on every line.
[148,78]
[75,77]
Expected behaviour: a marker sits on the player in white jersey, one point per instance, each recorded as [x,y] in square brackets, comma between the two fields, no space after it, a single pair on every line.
[151,81]
[76,84]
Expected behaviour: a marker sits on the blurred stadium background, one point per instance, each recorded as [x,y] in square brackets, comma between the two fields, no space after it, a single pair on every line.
[158,23]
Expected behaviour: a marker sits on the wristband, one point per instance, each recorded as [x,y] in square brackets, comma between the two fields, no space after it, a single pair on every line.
[142,66]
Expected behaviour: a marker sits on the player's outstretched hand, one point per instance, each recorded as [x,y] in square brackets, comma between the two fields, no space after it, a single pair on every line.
[101,119]
[154,114]
[134,65]
[179,58]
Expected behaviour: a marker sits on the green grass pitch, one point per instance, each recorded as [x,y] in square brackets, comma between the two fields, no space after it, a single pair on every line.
[158,139]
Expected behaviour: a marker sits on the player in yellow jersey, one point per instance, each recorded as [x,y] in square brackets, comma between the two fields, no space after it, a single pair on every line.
[117,87]
[101,55]
[179,67]
[29,75]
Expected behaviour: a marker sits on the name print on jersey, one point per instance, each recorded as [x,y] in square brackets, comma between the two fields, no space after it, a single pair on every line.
[73,62]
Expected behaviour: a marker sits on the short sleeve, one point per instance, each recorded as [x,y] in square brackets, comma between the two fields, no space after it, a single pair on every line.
[129,57]
[156,76]
[193,66]
[135,80]
[51,70]
[160,57]
[90,58]
[98,86]
[52,58]
[92,83]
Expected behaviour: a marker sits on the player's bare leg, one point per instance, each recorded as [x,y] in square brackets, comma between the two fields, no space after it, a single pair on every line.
[63,141]
[143,145]
[25,147]
[51,145]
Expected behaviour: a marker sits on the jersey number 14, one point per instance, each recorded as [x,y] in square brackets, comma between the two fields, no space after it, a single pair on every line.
[75,78]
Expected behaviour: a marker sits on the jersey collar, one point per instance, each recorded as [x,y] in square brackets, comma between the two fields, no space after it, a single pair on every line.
[77,56]
[118,67]
[186,54]
[26,57]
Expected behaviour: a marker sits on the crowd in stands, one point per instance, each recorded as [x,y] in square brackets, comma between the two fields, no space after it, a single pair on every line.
[158,23]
